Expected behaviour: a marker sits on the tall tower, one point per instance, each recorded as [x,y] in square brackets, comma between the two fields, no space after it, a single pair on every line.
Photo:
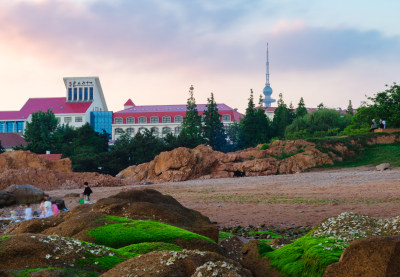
[268,90]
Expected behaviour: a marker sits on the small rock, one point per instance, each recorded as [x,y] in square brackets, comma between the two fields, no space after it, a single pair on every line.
[382,167]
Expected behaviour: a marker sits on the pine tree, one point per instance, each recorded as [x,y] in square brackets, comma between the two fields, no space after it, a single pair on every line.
[282,118]
[321,106]
[254,126]
[301,108]
[213,129]
[190,135]
[349,109]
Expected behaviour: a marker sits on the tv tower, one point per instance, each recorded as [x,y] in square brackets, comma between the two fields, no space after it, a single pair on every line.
[268,90]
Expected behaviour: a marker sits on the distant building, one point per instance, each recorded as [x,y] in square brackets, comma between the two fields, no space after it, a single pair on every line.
[161,119]
[84,103]
[11,140]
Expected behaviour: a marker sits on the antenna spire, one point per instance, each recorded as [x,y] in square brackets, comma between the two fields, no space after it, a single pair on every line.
[267,83]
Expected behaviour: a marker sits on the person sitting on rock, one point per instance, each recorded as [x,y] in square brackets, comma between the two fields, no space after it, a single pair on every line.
[47,207]
[42,211]
[28,211]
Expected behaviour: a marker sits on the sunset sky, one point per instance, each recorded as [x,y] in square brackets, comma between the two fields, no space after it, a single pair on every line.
[152,50]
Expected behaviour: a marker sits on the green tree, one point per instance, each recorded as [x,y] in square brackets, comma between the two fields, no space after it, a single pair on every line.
[254,126]
[39,132]
[301,108]
[191,134]
[213,129]
[233,135]
[282,118]
[349,109]
[321,106]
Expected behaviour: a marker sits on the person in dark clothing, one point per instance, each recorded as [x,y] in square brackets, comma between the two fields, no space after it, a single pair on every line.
[86,192]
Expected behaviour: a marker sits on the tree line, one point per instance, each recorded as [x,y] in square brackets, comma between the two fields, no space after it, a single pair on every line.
[90,151]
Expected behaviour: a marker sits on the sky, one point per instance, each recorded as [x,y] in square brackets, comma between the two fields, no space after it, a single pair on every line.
[152,51]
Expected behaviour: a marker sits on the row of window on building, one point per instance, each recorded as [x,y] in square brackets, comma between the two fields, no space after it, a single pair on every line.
[156,119]
[68,119]
[11,126]
[154,130]
[80,94]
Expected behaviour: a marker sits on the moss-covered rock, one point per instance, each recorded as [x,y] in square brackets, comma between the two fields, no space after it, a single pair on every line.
[146,247]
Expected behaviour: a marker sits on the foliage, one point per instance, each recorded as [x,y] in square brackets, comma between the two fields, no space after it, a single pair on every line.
[213,129]
[320,123]
[191,125]
[2,150]
[138,231]
[301,109]
[272,234]
[39,131]
[224,235]
[264,146]
[307,256]
[65,272]
[254,127]
[146,247]
[233,135]
[282,118]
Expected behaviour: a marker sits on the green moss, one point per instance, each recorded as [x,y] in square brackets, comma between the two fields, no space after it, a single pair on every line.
[138,231]
[118,219]
[308,256]
[101,263]
[272,234]
[65,271]
[264,248]
[224,235]
[146,247]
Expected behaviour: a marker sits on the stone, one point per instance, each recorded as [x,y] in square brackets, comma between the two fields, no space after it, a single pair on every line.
[233,247]
[26,193]
[368,257]
[179,264]
[7,198]
[382,166]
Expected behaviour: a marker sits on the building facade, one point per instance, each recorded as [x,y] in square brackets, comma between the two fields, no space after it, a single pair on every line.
[161,119]
[84,95]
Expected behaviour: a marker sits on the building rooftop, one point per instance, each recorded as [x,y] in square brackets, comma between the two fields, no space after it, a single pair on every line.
[57,105]
[9,140]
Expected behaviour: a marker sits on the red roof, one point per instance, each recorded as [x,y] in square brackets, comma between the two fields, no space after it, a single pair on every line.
[51,157]
[129,103]
[173,110]
[11,140]
[57,105]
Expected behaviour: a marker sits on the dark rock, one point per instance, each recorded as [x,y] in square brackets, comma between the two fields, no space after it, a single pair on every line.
[7,198]
[232,247]
[26,193]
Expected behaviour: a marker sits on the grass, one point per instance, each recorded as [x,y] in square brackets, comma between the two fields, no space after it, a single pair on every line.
[65,271]
[137,231]
[373,155]
[224,235]
[308,256]
[272,234]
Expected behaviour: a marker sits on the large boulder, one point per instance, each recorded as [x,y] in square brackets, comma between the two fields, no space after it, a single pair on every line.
[26,193]
[145,204]
[179,264]
[7,198]
[32,251]
[233,247]
[368,257]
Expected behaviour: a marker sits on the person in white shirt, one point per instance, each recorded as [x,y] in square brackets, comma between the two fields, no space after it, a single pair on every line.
[28,211]
[47,207]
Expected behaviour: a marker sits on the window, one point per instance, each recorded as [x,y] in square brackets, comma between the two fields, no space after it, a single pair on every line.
[118,120]
[130,120]
[226,118]
[130,131]
[67,119]
[178,119]
[75,94]
[141,130]
[154,119]
[86,94]
[80,94]
[70,94]
[154,131]
[166,130]
[90,93]
[166,119]
[78,119]
[178,130]
[142,119]
[118,131]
